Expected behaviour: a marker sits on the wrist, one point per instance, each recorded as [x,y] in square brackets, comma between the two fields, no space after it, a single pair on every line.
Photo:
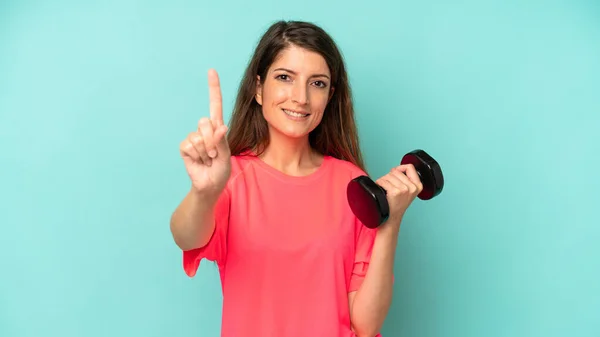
[391,227]
[203,196]
[394,221]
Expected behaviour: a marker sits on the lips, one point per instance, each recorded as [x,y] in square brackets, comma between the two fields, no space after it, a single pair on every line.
[296,114]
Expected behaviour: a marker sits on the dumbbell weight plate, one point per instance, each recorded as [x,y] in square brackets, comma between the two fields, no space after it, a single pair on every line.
[368,201]
[429,172]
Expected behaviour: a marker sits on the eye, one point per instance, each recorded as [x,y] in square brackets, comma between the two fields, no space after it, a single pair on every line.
[320,84]
[283,77]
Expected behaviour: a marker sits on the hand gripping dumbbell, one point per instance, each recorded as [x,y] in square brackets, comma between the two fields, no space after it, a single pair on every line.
[368,200]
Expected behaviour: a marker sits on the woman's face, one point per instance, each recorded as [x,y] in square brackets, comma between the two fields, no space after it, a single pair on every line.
[295,92]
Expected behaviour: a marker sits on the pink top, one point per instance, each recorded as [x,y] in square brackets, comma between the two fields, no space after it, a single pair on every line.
[289,250]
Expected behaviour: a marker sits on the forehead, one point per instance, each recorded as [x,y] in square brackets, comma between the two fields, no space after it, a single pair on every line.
[301,60]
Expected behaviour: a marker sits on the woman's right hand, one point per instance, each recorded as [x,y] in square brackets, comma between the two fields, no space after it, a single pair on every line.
[205,152]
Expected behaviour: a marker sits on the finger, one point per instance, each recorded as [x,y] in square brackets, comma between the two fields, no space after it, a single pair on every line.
[205,129]
[216,101]
[198,142]
[389,187]
[411,173]
[398,186]
[188,151]
[398,175]
[220,139]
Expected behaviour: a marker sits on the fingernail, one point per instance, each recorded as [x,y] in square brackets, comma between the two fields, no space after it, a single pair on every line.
[212,153]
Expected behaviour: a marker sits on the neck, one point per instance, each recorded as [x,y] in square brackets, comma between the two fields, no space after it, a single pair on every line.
[292,156]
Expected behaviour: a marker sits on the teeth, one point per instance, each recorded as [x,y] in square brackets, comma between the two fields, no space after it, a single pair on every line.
[294,114]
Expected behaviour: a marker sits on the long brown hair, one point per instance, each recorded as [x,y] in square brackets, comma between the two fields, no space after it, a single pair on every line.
[336,135]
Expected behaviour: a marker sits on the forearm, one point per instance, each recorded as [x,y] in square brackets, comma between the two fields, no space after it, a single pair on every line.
[192,223]
[374,297]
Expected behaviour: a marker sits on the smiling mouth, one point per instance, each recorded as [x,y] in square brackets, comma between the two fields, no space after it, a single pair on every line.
[294,113]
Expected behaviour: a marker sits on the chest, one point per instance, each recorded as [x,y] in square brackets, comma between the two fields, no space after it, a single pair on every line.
[288,221]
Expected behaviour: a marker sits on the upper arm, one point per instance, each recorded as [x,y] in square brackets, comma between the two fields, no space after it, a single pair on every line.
[364,241]
[216,247]
[351,296]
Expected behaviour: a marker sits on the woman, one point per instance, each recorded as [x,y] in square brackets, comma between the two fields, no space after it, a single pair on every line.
[268,201]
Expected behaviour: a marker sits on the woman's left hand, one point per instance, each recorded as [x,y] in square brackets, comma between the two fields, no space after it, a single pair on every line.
[402,185]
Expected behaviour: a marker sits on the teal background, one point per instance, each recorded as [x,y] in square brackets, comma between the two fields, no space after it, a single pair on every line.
[96,96]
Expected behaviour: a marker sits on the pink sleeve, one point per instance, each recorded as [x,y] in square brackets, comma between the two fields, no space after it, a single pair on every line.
[364,246]
[216,249]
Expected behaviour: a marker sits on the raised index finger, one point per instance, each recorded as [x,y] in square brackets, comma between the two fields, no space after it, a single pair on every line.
[216,103]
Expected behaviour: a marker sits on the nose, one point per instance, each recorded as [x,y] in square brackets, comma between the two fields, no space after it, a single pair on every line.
[299,93]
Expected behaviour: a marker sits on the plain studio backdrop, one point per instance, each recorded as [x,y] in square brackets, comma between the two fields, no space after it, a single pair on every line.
[95,98]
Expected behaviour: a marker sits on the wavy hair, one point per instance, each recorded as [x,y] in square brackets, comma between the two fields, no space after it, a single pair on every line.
[336,135]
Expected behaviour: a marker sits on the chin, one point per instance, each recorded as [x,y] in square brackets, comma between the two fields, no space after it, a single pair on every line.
[291,130]
[290,133]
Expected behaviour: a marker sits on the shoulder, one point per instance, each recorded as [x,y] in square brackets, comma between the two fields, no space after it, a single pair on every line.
[244,170]
[240,165]
[344,167]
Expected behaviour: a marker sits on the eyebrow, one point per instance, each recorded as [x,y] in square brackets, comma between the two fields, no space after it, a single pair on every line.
[293,72]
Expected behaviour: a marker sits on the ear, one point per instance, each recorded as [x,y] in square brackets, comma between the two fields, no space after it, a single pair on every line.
[330,93]
[258,95]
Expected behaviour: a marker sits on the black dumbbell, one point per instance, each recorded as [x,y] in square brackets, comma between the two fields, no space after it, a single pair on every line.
[368,200]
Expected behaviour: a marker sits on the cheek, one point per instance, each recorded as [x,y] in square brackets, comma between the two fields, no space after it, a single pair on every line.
[319,102]
[277,95]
